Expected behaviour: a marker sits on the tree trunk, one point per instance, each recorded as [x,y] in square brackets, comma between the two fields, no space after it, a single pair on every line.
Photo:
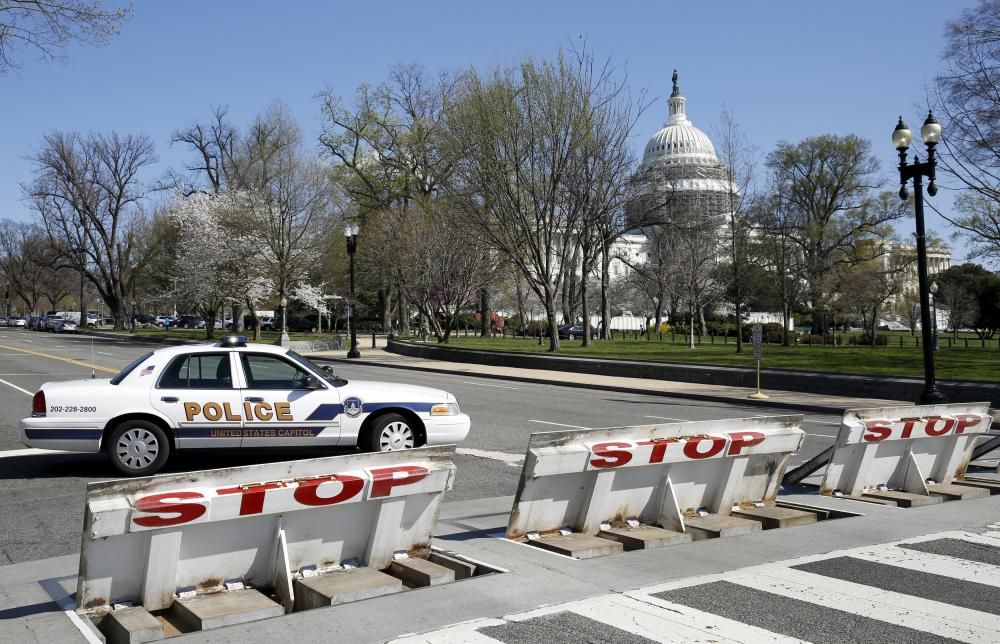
[485,322]
[691,326]
[605,287]
[550,314]
[383,308]
[404,312]
[585,307]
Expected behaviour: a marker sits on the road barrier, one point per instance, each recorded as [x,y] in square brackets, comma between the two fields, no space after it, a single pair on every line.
[907,455]
[164,540]
[659,483]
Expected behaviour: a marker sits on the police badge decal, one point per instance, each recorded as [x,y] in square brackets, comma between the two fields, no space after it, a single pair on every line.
[353,406]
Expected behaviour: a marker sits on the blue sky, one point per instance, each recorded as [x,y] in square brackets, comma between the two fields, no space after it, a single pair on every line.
[786,69]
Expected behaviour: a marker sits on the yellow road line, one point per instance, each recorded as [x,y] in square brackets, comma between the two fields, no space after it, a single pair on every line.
[61,359]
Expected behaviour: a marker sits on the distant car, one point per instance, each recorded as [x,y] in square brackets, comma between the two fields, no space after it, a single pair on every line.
[233,395]
[3,321]
[17,321]
[66,326]
[51,321]
[574,331]
[190,322]
[299,324]
[269,323]
[165,321]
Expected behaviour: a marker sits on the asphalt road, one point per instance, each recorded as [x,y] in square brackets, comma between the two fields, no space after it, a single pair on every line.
[43,503]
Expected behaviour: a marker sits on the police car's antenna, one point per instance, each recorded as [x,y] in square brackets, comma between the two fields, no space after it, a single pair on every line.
[93,360]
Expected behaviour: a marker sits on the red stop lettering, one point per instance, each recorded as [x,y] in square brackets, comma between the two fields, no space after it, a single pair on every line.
[384,479]
[965,421]
[612,455]
[691,446]
[938,426]
[307,492]
[166,504]
[741,440]
[908,424]
[659,451]
[253,496]
[877,430]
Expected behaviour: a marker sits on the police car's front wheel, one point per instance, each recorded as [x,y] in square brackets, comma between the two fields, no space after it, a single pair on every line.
[390,433]
[138,448]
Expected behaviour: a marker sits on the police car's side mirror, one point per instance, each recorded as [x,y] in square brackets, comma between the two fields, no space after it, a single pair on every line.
[328,368]
[313,383]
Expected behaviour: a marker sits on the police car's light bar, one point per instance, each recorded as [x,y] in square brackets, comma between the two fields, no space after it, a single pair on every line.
[233,341]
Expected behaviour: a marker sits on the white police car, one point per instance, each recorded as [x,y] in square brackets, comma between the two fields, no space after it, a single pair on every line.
[233,395]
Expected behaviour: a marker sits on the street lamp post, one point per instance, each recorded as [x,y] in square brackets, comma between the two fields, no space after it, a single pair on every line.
[351,233]
[930,132]
[284,340]
[934,290]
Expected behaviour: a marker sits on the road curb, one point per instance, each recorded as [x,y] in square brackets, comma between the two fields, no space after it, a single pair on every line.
[772,404]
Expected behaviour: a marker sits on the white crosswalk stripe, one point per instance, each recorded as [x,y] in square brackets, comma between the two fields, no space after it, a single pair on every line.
[670,612]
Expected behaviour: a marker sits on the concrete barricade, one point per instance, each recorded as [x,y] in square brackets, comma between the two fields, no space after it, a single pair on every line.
[658,483]
[176,539]
[910,455]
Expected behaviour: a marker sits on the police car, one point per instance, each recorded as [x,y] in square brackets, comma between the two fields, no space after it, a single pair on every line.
[233,395]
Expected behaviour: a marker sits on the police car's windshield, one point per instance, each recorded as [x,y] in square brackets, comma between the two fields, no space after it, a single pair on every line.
[129,369]
[336,381]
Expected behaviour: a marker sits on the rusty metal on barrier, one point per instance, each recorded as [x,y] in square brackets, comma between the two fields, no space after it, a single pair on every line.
[656,474]
[146,540]
[905,449]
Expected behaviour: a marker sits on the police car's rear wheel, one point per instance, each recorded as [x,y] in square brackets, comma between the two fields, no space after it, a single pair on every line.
[138,448]
[392,432]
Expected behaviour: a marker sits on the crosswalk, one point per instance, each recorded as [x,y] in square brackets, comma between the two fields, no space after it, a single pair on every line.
[942,587]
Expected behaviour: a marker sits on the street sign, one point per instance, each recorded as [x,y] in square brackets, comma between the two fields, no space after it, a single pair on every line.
[755,338]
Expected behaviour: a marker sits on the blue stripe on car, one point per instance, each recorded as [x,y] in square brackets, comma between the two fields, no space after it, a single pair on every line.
[326,411]
[329,411]
[63,434]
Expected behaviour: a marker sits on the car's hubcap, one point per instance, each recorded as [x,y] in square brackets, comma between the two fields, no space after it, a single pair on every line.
[137,448]
[396,436]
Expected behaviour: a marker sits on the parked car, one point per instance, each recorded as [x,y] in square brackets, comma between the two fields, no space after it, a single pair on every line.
[190,322]
[193,397]
[574,331]
[299,324]
[17,321]
[164,321]
[51,321]
[66,326]
[3,321]
[269,323]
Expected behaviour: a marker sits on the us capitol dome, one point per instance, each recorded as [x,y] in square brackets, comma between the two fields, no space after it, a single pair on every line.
[680,173]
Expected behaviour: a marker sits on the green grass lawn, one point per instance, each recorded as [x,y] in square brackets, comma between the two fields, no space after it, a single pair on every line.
[955,363]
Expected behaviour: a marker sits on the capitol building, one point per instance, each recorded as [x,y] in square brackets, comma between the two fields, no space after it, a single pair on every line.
[681,178]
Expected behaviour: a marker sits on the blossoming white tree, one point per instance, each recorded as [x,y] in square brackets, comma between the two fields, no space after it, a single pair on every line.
[213,267]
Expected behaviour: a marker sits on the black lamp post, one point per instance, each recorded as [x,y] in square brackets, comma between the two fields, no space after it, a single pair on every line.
[930,132]
[934,290]
[351,233]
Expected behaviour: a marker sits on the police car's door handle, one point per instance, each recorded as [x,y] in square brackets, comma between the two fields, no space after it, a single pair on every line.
[169,399]
[254,399]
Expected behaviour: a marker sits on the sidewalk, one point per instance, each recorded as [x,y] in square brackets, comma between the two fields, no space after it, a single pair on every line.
[794,400]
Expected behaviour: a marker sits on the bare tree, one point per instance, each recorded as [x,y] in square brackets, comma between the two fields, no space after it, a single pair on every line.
[48,27]
[599,183]
[389,149]
[88,195]
[521,133]
[439,271]
[22,246]
[967,99]
[739,160]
